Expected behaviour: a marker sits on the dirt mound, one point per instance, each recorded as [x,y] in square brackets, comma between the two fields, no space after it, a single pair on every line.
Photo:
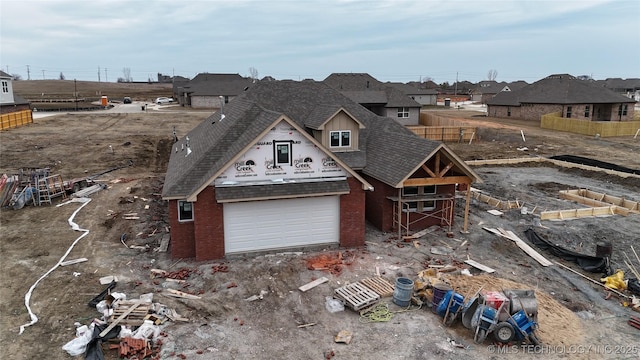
[557,324]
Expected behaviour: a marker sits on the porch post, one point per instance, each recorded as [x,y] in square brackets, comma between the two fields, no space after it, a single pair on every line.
[466,209]
[400,213]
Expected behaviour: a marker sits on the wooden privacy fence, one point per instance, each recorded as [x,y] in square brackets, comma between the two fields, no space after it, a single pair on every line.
[440,128]
[15,119]
[587,127]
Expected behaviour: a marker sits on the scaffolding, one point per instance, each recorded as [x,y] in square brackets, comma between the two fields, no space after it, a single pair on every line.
[444,213]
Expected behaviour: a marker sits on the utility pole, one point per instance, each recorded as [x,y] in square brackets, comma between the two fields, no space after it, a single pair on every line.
[28,73]
[42,74]
[455,91]
[75,92]
[98,73]
[106,78]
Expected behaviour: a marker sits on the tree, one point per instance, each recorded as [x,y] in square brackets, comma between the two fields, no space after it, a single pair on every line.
[492,74]
[253,73]
[61,77]
[16,77]
[127,75]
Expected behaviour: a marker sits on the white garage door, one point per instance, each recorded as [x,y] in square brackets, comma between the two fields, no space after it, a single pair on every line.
[273,224]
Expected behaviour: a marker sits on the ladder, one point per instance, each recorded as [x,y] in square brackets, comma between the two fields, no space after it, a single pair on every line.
[50,187]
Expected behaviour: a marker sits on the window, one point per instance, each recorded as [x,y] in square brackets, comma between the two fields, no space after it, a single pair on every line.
[340,138]
[508,110]
[282,151]
[5,86]
[622,110]
[403,112]
[185,211]
[569,111]
[416,191]
[586,111]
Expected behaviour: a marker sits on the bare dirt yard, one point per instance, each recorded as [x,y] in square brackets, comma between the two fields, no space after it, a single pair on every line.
[577,318]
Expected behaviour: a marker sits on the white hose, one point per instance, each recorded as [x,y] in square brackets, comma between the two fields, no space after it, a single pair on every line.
[74,226]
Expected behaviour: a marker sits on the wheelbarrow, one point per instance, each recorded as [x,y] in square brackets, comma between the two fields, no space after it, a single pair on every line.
[525,327]
[450,306]
[484,321]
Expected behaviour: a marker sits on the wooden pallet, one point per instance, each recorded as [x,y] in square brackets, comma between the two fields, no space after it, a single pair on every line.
[379,285]
[134,317]
[357,296]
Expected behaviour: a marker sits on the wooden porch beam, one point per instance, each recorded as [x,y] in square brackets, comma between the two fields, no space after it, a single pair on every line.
[448,180]
[431,173]
[437,168]
[444,171]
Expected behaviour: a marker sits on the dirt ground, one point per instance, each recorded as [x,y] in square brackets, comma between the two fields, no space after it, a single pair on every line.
[576,322]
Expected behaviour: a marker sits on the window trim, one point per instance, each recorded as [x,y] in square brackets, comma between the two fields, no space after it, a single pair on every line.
[587,111]
[182,212]
[276,153]
[569,112]
[340,133]
[5,86]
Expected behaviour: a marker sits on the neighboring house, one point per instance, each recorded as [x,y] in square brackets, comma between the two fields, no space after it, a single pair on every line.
[421,96]
[487,89]
[563,94]
[10,102]
[208,91]
[295,164]
[381,99]
[627,87]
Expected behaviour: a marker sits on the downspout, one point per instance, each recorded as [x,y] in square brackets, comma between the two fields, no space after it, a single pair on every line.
[399,213]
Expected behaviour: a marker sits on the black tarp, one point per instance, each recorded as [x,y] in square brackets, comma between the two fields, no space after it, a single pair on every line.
[597,163]
[588,263]
[94,347]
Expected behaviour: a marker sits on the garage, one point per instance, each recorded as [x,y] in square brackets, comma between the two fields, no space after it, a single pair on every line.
[275,224]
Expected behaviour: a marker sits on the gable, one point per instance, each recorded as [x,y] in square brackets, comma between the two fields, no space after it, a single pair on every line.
[263,163]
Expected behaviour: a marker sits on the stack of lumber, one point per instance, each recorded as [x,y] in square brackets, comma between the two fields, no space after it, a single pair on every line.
[133,317]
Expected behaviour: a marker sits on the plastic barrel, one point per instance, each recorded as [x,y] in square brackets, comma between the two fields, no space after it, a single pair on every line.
[603,249]
[402,292]
[439,291]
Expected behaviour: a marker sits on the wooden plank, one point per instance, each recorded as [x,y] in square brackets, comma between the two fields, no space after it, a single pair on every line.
[477,265]
[74,261]
[313,284]
[180,294]
[113,324]
[495,212]
[529,250]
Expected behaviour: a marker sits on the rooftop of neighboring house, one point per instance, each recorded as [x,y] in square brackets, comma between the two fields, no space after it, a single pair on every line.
[410,89]
[559,89]
[206,84]
[387,151]
[365,89]
[4,75]
[619,84]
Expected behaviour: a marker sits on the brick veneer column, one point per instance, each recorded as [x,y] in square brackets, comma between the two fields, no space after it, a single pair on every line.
[182,235]
[209,226]
[352,220]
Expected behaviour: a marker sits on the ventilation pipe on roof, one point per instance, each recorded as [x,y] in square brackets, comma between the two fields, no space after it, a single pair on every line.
[221,107]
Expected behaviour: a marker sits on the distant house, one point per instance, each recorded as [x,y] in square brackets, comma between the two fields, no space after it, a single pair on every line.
[206,91]
[563,94]
[421,96]
[627,87]
[487,89]
[381,99]
[10,102]
[297,164]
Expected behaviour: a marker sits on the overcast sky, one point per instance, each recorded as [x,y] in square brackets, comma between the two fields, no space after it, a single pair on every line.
[298,39]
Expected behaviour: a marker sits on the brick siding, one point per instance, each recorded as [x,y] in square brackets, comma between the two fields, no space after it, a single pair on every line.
[352,215]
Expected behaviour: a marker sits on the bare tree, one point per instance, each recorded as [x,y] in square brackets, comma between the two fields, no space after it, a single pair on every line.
[127,75]
[61,77]
[492,75]
[16,77]
[253,73]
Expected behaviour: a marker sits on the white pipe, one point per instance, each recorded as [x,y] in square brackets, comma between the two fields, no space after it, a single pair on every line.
[74,226]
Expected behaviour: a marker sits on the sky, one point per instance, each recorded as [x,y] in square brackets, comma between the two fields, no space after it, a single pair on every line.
[392,40]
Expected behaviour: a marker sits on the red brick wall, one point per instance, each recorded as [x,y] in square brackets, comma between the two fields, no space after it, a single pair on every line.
[352,215]
[182,234]
[209,226]
[379,209]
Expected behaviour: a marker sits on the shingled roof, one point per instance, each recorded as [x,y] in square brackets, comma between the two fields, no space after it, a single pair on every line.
[388,152]
[365,89]
[559,89]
